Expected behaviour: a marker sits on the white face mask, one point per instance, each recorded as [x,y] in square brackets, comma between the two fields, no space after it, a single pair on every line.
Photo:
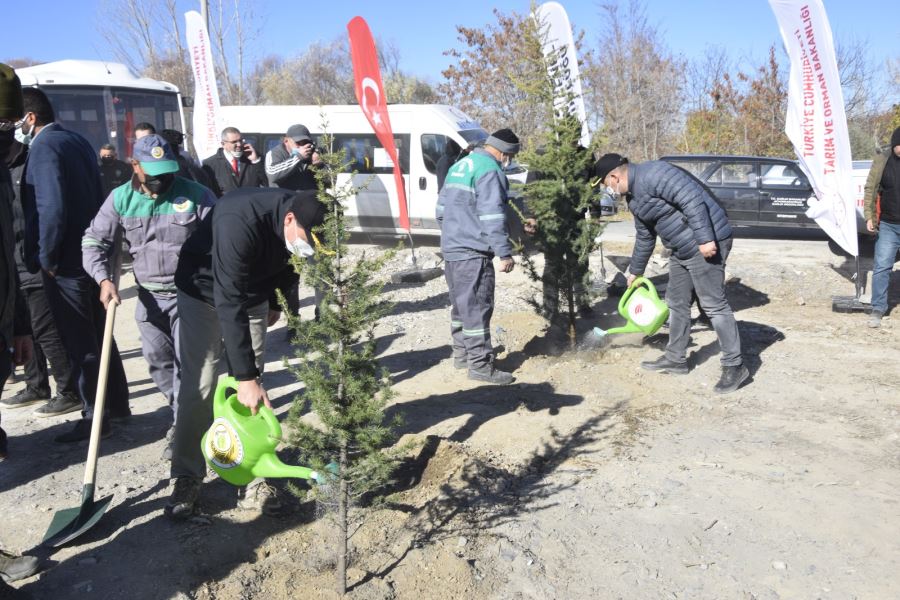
[237,153]
[299,248]
[505,161]
[611,191]
[22,137]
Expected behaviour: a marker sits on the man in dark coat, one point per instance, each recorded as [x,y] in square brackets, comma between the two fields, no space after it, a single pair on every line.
[113,172]
[235,165]
[227,274]
[669,203]
[61,195]
[48,346]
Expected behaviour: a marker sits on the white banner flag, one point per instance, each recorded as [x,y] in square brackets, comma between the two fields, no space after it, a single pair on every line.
[562,64]
[816,123]
[206,92]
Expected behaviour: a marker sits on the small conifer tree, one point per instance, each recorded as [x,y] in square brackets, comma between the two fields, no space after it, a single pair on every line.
[559,199]
[344,385]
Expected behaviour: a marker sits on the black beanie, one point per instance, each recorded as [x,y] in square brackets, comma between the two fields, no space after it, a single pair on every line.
[504,140]
[895,138]
[11,105]
[307,209]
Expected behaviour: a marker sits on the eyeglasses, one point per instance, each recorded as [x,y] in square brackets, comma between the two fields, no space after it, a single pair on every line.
[232,142]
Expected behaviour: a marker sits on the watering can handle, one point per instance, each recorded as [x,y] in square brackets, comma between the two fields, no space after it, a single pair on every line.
[227,384]
[271,420]
[639,281]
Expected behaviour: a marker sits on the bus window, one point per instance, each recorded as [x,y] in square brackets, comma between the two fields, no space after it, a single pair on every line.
[81,110]
[364,153]
[133,107]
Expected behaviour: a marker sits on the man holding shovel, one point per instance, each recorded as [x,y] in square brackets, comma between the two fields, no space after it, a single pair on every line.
[157,210]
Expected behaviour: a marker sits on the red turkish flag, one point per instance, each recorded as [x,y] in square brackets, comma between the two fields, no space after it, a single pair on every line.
[370,94]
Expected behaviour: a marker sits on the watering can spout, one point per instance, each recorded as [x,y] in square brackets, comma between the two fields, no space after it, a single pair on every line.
[269,465]
[239,446]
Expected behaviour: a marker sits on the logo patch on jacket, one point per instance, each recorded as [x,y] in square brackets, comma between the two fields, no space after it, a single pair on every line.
[182,204]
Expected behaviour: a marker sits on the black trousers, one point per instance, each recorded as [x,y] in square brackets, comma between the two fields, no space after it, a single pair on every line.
[48,347]
[80,317]
[5,370]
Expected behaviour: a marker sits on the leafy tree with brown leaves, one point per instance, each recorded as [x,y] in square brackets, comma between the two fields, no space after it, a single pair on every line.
[497,78]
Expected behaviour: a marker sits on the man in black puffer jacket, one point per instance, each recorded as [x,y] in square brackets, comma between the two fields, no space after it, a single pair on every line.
[670,203]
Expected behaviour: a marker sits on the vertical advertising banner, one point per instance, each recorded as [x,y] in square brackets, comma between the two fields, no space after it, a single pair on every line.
[370,94]
[206,93]
[562,64]
[816,123]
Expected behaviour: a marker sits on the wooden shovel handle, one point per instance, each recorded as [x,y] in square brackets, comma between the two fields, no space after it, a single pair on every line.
[90,470]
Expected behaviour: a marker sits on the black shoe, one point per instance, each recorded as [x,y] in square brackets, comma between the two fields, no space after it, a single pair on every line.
[59,405]
[491,375]
[664,365]
[732,378]
[119,418]
[183,501]
[81,432]
[26,397]
[13,568]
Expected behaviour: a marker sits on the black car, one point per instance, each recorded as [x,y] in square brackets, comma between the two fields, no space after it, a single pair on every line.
[755,191]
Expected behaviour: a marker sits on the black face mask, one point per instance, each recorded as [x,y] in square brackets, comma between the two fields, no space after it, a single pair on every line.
[159,184]
[107,160]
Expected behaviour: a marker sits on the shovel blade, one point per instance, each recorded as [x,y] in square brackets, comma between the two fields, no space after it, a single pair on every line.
[69,523]
[416,275]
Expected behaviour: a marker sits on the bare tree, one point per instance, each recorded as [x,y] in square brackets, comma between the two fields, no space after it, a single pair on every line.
[640,94]
[148,37]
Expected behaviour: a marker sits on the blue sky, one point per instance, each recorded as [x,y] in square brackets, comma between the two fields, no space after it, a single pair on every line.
[423,30]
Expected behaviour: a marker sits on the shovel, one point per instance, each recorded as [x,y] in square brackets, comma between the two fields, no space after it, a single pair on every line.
[69,523]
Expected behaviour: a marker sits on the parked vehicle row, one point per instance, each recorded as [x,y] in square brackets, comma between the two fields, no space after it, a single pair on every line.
[763,192]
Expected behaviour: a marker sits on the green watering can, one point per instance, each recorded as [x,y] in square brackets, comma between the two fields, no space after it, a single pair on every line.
[642,308]
[240,446]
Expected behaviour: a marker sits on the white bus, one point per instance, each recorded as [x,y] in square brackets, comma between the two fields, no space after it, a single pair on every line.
[104,101]
[422,134]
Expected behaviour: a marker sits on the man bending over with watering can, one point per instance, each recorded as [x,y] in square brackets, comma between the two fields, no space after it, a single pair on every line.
[670,203]
[227,275]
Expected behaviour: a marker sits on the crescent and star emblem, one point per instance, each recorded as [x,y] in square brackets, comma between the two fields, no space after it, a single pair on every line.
[369,83]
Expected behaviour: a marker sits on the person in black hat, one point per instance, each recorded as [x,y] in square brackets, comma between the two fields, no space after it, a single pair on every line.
[61,194]
[670,203]
[881,204]
[227,275]
[471,213]
[291,165]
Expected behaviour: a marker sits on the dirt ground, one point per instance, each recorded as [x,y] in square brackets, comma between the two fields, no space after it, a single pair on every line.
[587,478]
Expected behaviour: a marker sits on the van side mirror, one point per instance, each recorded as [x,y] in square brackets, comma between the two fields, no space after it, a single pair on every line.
[187,101]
